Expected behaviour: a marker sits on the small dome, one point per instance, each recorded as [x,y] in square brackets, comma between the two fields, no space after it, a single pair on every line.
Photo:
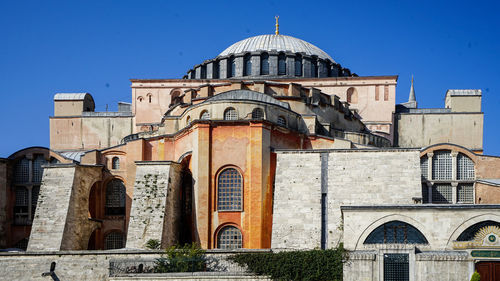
[279,43]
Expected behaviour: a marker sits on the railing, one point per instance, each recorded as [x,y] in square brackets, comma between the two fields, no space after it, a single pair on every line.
[208,264]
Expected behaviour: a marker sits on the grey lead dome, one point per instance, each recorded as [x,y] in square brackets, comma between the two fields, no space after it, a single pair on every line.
[279,43]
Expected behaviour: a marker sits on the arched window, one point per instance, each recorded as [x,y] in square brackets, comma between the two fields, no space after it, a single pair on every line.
[298,65]
[282,121]
[281,64]
[150,97]
[231,68]
[205,115]
[229,237]
[247,61]
[115,163]
[22,171]
[257,113]
[352,95]
[114,240]
[465,168]
[115,198]
[230,114]
[396,232]
[471,231]
[37,168]
[442,165]
[314,67]
[264,64]
[229,190]
[175,97]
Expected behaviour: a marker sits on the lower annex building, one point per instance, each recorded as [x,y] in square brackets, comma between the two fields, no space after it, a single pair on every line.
[271,144]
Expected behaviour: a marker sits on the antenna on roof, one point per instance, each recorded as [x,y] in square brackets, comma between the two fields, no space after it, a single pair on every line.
[277,32]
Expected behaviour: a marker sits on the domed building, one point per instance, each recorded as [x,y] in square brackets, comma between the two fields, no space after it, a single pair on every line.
[270,145]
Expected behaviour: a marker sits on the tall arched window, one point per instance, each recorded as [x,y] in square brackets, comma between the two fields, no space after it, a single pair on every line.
[264,64]
[396,232]
[22,170]
[298,65]
[229,237]
[281,64]
[231,68]
[114,240]
[230,114]
[229,190]
[314,67]
[247,62]
[257,113]
[352,95]
[205,115]
[115,198]
[115,163]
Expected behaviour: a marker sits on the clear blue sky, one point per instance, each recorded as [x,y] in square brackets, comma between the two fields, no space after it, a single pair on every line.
[96,46]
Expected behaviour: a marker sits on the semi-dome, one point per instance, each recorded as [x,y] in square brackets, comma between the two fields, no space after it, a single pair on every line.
[275,42]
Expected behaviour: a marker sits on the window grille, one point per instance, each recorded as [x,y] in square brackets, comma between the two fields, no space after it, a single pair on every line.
[22,171]
[396,267]
[264,64]
[282,121]
[229,237]
[115,198]
[465,193]
[248,65]
[37,168]
[425,193]
[257,114]
[21,196]
[114,240]
[115,165]
[282,64]
[442,165]
[205,115]
[396,232]
[230,114]
[424,166]
[298,65]
[229,190]
[465,168]
[442,193]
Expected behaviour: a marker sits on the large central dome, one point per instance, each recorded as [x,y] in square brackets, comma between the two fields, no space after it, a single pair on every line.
[279,43]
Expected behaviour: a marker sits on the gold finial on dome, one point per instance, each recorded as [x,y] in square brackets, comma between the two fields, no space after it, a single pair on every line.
[277,25]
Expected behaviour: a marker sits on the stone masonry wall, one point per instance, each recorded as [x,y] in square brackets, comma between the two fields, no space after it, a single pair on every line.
[350,177]
[297,201]
[88,265]
[154,214]
[61,217]
[369,178]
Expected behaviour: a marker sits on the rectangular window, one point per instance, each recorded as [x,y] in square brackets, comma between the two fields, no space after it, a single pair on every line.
[377,93]
[386,93]
[396,267]
[465,193]
[442,193]
[21,206]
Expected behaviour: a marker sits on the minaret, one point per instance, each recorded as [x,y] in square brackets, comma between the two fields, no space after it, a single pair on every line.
[412,100]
